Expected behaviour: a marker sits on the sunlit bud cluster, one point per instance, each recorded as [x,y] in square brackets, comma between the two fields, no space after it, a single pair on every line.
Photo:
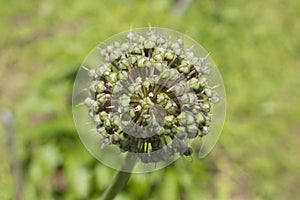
[150,96]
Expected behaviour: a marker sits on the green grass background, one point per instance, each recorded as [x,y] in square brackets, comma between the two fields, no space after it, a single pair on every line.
[256,46]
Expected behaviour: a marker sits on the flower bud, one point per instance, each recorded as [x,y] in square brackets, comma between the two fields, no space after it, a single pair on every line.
[150,96]
[194,83]
[192,131]
[185,118]
[89,102]
[169,120]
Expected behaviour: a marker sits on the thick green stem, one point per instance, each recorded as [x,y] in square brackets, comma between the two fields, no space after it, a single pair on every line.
[121,178]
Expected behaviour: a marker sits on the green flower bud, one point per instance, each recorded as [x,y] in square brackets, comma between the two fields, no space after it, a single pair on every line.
[202,81]
[123,75]
[124,64]
[169,120]
[171,106]
[169,55]
[158,54]
[196,109]
[147,103]
[158,57]
[152,37]
[115,138]
[188,98]
[160,41]
[185,118]
[133,59]
[179,145]
[109,48]
[99,86]
[172,74]
[150,96]
[184,69]
[149,44]
[205,107]
[192,131]
[208,92]
[215,98]
[181,132]
[107,124]
[97,120]
[136,50]
[112,77]
[89,102]
[205,130]
[124,100]
[180,88]
[165,73]
[176,47]
[148,63]
[159,66]
[101,98]
[140,61]
[116,53]
[116,121]
[193,82]
[125,47]
[118,87]
[146,119]
[92,73]
[131,88]
[200,118]
[139,80]
[147,84]
[92,87]
[162,98]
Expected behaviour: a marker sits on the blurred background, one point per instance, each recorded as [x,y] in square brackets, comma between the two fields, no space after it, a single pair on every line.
[256,46]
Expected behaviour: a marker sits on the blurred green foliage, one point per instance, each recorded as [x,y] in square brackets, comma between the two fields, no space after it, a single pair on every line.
[256,46]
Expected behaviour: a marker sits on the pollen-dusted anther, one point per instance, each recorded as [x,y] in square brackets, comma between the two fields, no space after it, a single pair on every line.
[150,96]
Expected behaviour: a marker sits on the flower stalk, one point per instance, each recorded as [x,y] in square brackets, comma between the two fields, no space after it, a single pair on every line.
[120,179]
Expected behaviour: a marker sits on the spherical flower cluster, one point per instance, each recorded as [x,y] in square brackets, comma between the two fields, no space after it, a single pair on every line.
[150,96]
